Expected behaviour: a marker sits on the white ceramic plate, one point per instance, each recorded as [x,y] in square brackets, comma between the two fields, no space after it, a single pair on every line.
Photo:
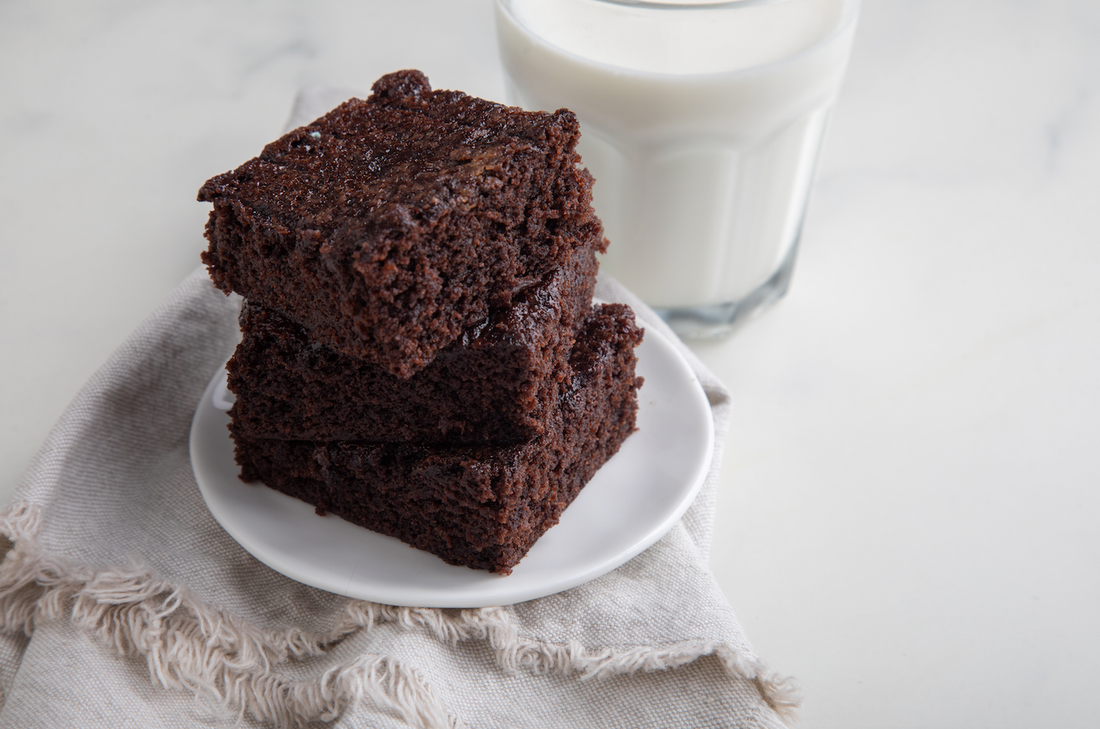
[630,503]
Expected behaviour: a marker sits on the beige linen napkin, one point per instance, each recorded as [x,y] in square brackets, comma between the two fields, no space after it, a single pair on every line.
[123,602]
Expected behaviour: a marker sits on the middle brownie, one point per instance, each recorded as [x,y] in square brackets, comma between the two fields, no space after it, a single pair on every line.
[495,384]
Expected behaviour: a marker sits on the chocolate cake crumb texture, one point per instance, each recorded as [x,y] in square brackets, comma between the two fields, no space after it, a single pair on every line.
[419,351]
[391,224]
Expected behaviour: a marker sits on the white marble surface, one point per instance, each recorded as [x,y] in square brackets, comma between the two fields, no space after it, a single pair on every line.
[908,516]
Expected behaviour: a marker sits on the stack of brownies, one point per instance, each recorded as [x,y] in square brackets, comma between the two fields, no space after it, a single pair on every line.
[420,354]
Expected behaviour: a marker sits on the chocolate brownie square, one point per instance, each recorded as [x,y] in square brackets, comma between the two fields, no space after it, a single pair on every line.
[394,223]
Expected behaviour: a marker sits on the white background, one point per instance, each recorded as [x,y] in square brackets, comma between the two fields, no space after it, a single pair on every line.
[909,508]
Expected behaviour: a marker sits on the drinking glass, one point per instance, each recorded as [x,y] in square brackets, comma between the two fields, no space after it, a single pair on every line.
[701,122]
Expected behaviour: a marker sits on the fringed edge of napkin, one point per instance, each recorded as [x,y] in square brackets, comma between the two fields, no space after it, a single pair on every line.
[190,645]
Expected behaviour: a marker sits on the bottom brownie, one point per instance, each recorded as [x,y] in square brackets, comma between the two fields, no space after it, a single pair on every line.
[479,506]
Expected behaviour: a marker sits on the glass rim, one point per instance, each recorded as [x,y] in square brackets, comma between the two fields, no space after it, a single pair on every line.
[688,4]
[845,23]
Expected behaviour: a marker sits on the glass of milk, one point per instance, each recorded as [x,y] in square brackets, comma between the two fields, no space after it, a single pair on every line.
[701,122]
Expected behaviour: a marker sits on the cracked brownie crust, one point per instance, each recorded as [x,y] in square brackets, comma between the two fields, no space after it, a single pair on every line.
[391,224]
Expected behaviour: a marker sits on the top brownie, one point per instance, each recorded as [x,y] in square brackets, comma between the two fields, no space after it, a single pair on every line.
[390,224]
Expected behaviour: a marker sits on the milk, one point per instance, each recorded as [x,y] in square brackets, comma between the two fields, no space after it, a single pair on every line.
[701,127]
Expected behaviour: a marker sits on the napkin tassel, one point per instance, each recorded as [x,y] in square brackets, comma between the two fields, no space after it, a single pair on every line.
[188,644]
